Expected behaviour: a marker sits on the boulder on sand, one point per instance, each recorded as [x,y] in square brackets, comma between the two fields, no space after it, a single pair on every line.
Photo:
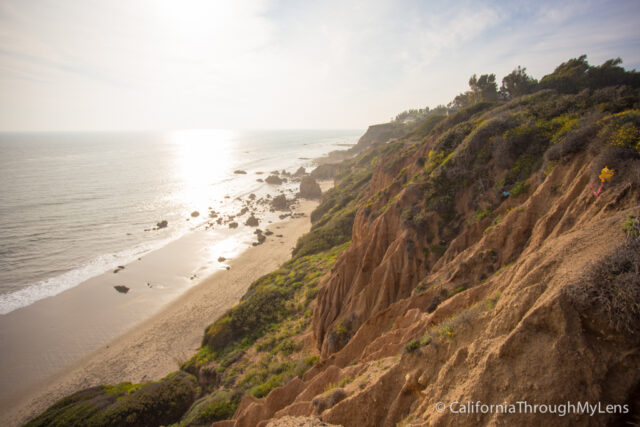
[309,188]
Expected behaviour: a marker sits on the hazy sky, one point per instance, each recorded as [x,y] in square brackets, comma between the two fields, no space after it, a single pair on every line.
[164,64]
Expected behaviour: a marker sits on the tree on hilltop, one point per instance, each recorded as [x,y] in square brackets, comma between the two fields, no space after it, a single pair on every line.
[517,83]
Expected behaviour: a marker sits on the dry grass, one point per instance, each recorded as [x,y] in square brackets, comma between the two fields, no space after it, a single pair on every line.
[608,294]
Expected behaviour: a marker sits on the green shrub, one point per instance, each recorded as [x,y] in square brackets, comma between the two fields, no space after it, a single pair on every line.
[157,403]
[287,347]
[482,214]
[631,227]
[345,381]
[210,408]
[518,188]
[412,346]
[249,319]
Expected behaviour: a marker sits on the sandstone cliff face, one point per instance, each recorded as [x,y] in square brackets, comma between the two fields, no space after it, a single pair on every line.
[533,345]
[421,309]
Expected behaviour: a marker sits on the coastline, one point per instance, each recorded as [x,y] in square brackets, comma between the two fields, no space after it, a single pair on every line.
[153,347]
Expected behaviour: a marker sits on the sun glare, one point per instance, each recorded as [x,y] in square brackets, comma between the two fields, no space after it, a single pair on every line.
[203,158]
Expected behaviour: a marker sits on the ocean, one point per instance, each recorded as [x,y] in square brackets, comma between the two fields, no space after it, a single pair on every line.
[75,205]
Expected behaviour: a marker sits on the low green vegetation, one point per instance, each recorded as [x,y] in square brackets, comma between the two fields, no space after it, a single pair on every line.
[269,302]
[631,226]
[448,329]
[253,346]
[518,188]
[157,403]
[482,214]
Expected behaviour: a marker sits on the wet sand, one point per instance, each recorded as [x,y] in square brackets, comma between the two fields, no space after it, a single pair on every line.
[92,335]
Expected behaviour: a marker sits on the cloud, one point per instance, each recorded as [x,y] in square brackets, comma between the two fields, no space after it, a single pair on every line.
[117,64]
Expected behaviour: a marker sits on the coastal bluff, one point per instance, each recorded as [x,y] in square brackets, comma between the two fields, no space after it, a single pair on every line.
[464,256]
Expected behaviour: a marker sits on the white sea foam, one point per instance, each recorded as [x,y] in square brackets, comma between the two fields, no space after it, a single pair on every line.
[55,285]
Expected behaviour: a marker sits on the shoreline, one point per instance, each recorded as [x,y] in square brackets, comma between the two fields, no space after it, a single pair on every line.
[151,347]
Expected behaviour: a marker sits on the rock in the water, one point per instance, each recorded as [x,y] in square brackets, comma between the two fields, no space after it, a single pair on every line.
[221,259]
[252,221]
[195,214]
[252,196]
[301,171]
[260,180]
[309,188]
[273,179]
[240,172]
[121,288]
[233,225]
[162,224]
[280,203]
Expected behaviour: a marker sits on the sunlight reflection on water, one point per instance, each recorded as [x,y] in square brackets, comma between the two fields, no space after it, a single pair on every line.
[203,157]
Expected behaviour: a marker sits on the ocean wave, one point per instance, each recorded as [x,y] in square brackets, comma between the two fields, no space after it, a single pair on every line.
[70,279]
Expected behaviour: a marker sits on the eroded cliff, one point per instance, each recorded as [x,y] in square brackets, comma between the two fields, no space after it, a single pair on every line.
[475,257]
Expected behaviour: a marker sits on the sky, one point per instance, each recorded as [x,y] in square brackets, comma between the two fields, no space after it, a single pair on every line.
[69,65]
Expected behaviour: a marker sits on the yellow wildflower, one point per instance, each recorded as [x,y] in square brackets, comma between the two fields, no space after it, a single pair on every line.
[606,174]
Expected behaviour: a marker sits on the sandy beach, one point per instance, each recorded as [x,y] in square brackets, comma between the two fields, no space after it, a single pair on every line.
[143,349]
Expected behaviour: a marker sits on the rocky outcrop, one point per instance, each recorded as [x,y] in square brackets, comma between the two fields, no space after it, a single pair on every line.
[280,203]
[274,180]
[309,188]
[252,221]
